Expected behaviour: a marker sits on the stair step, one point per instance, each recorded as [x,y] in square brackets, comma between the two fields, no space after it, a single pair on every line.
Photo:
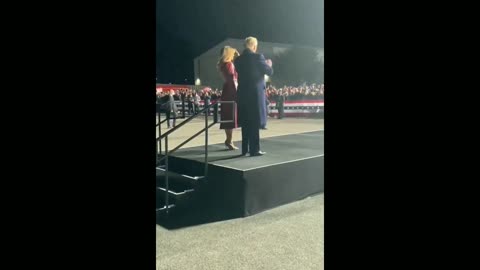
[179,198]
[162,169]
[163,208]
[176,164]
[176,194]
[176,181]
[161,212]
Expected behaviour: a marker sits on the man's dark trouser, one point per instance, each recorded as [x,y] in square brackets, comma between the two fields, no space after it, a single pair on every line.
[250,139]
[170,114]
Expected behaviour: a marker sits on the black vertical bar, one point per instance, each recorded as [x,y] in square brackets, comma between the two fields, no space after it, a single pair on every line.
[215,112]
[159,132]
[206,146]
[183,107]
[166,174]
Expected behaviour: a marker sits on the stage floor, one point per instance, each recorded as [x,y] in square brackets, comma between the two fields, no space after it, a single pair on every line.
[280,149]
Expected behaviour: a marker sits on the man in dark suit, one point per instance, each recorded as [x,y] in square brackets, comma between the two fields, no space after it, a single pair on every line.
[206,101]
[280,105]
[171,109]
[252,68]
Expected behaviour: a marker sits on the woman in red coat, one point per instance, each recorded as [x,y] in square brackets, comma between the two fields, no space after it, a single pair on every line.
[229,93]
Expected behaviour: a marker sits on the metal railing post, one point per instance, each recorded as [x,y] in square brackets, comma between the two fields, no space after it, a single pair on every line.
[215,113]
[183,107]
[166,175]
[206,146]
[159,132]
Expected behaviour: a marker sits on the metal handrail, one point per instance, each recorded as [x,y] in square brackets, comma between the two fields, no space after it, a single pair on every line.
[189,119]
[205,129]
[187,140]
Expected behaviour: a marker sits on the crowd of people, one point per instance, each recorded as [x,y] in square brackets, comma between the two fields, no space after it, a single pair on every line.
[192,97]
[291,93]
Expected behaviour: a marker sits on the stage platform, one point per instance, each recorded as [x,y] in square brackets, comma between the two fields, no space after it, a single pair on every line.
[240,186]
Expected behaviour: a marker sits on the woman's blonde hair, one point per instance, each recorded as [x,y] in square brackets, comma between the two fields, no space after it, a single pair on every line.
[227,54]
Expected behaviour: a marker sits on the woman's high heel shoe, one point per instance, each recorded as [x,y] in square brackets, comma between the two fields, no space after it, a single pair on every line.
[230,146]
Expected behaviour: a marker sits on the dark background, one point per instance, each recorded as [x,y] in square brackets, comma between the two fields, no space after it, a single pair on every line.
[185,29]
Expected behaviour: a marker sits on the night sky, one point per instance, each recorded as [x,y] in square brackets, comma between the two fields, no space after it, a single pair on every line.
[187,28]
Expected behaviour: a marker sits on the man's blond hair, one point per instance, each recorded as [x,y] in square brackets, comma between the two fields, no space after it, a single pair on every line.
[250,42]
